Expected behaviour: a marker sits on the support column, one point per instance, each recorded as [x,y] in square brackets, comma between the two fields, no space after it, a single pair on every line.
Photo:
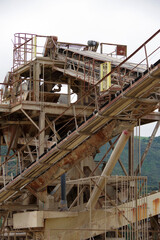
[36,73]
[63,193]
[42,134]
[131,155]
[1,154]
[81,187]
[69,92]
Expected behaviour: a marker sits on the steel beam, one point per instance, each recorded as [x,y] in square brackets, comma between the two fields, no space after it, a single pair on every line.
[120,162]
[80,225]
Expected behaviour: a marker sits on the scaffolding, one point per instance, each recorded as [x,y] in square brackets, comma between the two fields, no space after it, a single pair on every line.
[48,135]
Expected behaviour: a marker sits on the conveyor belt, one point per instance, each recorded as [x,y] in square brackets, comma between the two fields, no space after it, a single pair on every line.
[105,58]
[133,99]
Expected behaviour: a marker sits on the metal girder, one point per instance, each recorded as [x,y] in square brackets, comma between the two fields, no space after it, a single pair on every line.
[18,207]
[82,225]
[30,119]
[87,148]
[140,89]
[120,162]
[114,108]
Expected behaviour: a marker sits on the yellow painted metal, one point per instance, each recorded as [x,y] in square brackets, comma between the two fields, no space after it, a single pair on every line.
[35,46]
[105,68]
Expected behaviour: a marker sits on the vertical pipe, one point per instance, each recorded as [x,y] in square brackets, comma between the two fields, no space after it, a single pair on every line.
[131,155]
[63,187]
[63,192]
[101,48]
[69,92]
[1,155]
[42,132]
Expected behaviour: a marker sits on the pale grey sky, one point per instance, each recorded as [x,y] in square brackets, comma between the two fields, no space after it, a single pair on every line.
[129,22]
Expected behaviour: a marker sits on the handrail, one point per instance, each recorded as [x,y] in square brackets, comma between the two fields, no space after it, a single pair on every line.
[86,94]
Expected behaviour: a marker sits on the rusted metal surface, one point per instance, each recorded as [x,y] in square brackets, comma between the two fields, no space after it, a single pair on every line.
[121,50]
[110,113]
[141,211]
[115,108]
[156,206]
[103,221]
[87,148]
[80,225]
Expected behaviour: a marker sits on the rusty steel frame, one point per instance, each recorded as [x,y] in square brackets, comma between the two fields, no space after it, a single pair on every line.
[109,74]
[60,116]
[93,133]
[95,118]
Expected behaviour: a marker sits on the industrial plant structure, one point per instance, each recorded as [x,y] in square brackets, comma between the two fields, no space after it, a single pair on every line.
[59,104]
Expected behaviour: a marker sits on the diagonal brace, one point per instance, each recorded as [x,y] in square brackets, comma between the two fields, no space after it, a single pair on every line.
[108,168]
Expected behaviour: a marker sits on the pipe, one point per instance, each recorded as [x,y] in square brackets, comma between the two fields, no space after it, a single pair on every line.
[12,234]
[108,168]
[63,192]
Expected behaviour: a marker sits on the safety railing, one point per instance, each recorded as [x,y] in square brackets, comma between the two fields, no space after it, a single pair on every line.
[123,204]
[92,98]
[26,47]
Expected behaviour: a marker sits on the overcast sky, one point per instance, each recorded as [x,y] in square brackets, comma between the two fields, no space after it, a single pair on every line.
[129,22]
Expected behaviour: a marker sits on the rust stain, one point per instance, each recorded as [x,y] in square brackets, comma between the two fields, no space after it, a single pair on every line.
[83,150]
[156,206]
[121,213]
[134,212]
[141,212]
